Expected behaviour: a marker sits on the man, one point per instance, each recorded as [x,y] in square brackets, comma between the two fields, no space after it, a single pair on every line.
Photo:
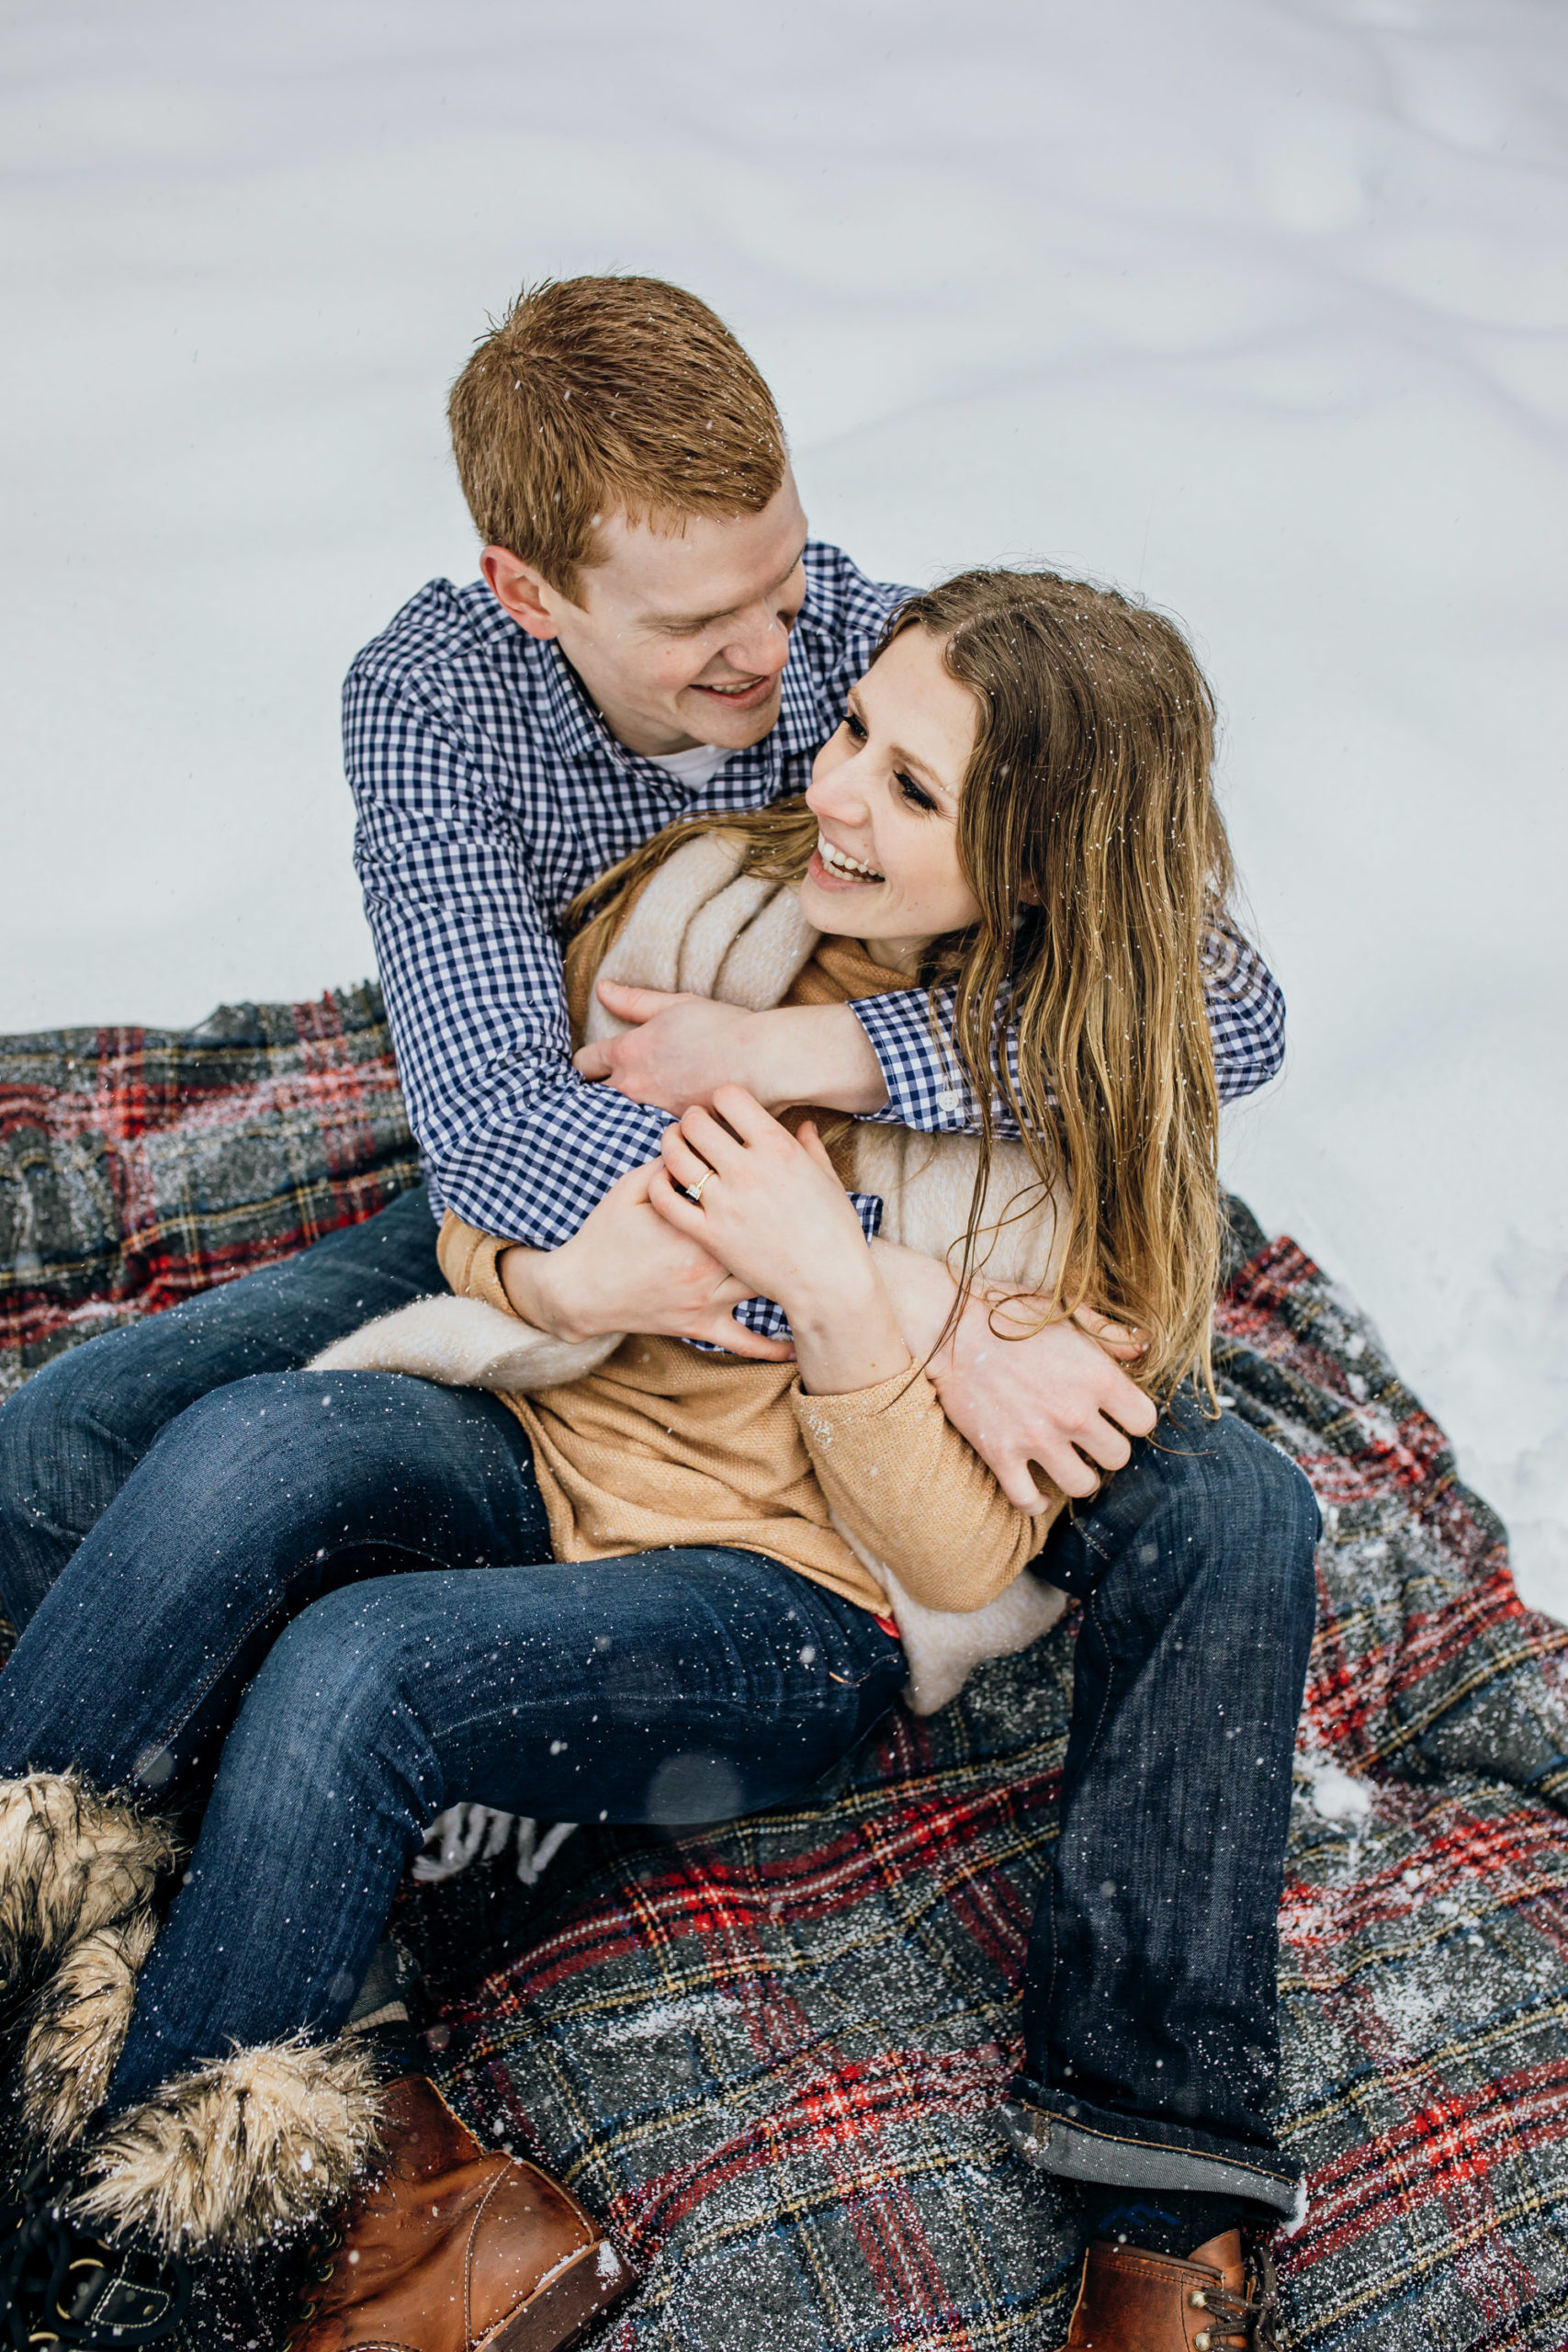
[655,635]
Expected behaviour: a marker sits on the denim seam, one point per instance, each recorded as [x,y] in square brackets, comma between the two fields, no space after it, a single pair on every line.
[1162,2164]
[1256,2160]
[1109,1676]
[1251,2162]
[1092,1611]
[112,1439]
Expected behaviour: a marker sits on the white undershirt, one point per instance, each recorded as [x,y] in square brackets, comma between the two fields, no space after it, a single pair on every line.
[693,768]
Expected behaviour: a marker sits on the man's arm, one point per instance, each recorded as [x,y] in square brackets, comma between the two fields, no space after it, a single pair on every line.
[878,1057]
[517,1142]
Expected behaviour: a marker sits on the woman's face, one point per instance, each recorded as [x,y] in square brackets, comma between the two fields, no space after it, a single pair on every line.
[884,792]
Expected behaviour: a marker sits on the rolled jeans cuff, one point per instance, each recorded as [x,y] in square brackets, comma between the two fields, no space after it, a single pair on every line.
[1083,2143]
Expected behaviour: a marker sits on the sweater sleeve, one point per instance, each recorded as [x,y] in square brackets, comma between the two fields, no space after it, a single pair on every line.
[916,1495]
[467,1258]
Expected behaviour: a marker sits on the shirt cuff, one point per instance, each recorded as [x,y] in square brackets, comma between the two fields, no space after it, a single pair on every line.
[924,1088]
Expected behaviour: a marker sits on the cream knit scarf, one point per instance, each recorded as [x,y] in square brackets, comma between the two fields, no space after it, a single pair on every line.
[703,926]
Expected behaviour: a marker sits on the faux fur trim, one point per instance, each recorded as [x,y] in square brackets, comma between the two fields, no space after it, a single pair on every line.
[943,1645]
[251,2148]
[464,1343]
[78,2027]
[70,1861]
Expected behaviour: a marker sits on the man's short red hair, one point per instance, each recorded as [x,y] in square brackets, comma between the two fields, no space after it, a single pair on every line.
[599,395]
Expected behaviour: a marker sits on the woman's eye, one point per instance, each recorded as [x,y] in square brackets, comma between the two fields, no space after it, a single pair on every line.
[854,728]
[915,794]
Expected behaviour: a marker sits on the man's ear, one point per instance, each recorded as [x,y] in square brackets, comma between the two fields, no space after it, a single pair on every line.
[519,590]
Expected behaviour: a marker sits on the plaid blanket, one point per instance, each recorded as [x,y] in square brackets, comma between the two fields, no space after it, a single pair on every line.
[769,2055]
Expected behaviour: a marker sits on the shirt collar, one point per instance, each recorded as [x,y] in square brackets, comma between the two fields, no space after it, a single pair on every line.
[579,733]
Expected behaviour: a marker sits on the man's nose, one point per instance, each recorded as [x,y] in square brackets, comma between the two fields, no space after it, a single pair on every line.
[760,647]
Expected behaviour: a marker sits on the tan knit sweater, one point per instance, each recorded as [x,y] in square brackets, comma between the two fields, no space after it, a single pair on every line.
[666,1445]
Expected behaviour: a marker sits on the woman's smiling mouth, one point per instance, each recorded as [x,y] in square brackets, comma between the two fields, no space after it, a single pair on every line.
[840,866]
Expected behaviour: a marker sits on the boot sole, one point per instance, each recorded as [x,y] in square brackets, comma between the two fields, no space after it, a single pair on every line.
[557,2314]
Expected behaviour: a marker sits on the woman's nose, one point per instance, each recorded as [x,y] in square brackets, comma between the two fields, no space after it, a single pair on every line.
[834,790]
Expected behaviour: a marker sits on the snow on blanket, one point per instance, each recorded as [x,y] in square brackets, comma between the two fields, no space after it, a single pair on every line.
[770,2055]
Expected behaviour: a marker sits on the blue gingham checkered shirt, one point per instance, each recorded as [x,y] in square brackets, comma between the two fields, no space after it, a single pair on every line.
[488,791]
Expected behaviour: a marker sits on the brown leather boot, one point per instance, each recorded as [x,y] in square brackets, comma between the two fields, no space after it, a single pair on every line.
[1219,2300]
[449,2250]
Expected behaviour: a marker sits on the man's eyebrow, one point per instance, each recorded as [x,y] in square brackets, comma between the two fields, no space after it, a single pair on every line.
[706,620]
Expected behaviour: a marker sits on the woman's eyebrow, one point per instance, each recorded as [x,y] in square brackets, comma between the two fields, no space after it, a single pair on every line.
[901,759]
[923,769]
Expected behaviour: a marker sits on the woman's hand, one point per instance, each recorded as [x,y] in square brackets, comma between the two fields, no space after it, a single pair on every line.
[772,1209]
[627,1269]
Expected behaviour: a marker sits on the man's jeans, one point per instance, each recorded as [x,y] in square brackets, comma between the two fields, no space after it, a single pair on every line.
[1150,2040]
[1151,2043]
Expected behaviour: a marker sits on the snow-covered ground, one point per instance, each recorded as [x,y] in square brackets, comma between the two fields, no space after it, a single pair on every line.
[1257,305]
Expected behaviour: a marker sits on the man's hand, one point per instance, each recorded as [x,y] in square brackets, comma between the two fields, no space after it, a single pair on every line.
[682,1048]
[627,1269]
[1051,1398]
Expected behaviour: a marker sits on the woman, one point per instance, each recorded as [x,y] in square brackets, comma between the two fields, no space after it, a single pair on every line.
[669,1584]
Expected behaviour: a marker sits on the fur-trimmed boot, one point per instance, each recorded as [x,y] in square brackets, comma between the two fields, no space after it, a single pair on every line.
[441,2248]
[95,2248]
[77,1876]
[62,2284]
[238,2154]
[71,1863]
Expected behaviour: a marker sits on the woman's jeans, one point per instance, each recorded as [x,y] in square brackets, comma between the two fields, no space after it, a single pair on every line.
[188,1523]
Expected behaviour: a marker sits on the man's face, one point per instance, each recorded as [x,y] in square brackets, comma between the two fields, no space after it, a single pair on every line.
[681,637]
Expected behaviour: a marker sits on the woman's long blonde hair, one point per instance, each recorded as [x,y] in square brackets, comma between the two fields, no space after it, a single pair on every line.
[1088,834]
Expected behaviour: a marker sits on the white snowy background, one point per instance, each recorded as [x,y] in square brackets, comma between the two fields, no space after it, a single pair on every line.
[1258,306]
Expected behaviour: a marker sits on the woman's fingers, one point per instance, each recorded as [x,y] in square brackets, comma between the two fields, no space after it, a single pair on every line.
[672,1204]
[740,1109]
[685,1166]
[594,1062]
[709,1138]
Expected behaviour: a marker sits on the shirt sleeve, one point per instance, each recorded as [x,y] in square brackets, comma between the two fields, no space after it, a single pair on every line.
[927,1089]
[471,972]
[916,1494]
